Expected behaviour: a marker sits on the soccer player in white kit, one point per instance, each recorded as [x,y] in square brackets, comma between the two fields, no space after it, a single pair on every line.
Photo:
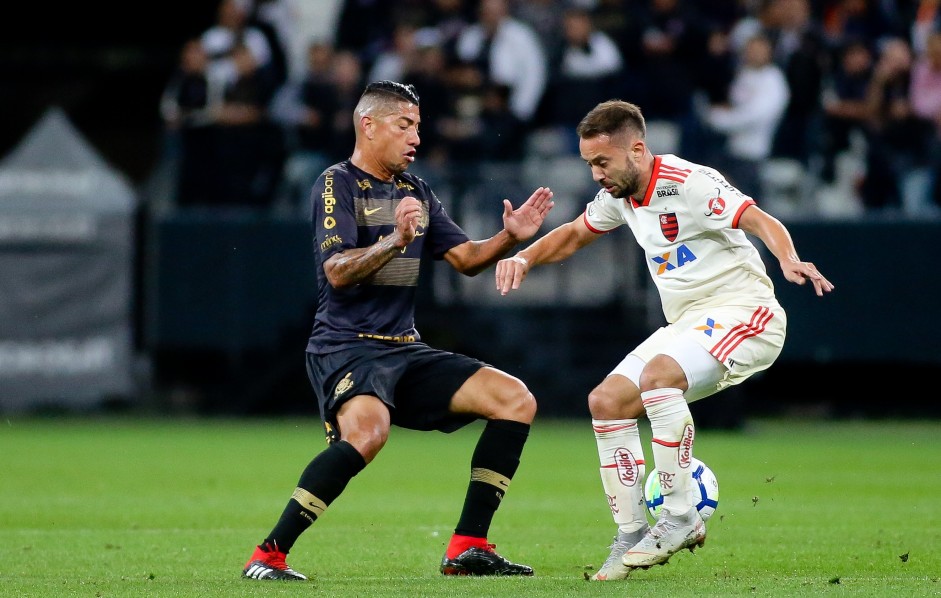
[724,322]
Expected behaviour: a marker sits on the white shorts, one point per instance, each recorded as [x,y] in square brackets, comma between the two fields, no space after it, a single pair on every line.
[717,347]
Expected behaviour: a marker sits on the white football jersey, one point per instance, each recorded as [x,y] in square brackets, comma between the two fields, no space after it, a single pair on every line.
[687,224]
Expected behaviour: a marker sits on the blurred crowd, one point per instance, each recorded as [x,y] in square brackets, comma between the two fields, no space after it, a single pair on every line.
[808,101]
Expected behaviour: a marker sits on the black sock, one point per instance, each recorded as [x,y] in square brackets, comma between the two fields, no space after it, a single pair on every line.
[492,467]
[323,480]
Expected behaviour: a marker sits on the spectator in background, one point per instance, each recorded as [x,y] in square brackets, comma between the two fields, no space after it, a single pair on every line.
[926,104]
[544,16]
[347,80]
[396,58]
[230,31]
[758,97]
[460,123]
[249,146]
[306,110]
[898,139]
[187,107]
[507,52]
[619,19]
[844,103]
[231,154]
[800,49]
[925,20]
[446,20]
[363,27]
[276,20]
[230,151]
[855,19]
[672,45]
[427,73]
[491,133]
[584,70]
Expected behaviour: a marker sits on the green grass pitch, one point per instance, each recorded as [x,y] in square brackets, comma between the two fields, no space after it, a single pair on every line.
[128,507]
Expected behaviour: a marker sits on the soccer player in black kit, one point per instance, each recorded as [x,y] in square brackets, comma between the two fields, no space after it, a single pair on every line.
[373,224]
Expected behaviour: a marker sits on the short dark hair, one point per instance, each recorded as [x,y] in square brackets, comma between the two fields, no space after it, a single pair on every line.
[612,117]
[393,88]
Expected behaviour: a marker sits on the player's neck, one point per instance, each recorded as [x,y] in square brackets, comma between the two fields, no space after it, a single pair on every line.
[646,176]
[371,166]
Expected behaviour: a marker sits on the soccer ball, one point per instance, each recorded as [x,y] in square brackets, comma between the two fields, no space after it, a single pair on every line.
[705,491]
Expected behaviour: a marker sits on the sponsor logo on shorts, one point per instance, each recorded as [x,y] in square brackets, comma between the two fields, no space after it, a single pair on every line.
[710,326]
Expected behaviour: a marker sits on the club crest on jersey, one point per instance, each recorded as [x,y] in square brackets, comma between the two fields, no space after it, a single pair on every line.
[716,205]
[669,226]
[343,385]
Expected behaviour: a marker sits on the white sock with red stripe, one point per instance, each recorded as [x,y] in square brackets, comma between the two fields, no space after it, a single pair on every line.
[622,471]
[673,433]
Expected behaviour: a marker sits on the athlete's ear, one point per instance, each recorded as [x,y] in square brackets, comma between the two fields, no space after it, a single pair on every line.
[639,149]
[368,126]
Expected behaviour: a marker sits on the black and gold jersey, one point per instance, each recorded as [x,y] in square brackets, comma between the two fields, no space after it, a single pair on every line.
[350,209]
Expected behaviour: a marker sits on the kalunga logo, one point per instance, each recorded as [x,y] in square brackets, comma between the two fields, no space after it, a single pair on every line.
[627,466]
[685,455]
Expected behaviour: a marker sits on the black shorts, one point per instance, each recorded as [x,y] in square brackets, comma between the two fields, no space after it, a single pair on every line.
[416,381]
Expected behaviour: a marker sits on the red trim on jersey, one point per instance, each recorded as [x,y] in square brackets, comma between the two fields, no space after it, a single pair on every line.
[654,173]
[740,332]
[741,210]
[590,227]
[675,171]
[661,171]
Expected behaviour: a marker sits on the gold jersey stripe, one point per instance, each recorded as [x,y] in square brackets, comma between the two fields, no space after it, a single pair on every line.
[489,476]
[399,272]
[309,501]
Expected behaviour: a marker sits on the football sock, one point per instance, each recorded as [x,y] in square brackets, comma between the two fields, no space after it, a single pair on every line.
[459,544]
[492,467]
[321,483]
[622,471]
[673,434]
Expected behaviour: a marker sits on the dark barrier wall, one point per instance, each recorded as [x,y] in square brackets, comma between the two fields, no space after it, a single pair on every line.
[888,290]
[237,285]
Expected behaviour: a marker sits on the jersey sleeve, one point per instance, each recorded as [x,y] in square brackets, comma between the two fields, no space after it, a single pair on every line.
[601,214]
[715,202]
[333,214]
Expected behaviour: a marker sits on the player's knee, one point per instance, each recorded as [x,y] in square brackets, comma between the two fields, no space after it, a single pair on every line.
[603,404]
[516,403]
[368,440]
[366,429]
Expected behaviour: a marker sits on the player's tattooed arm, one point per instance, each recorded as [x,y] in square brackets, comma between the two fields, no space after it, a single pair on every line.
[354,266]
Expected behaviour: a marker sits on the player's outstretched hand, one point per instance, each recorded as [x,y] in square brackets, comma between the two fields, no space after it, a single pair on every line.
[801,272]
[510,273]
[523,222]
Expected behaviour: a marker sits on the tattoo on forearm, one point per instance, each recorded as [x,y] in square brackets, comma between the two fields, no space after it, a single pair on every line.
[356,265]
